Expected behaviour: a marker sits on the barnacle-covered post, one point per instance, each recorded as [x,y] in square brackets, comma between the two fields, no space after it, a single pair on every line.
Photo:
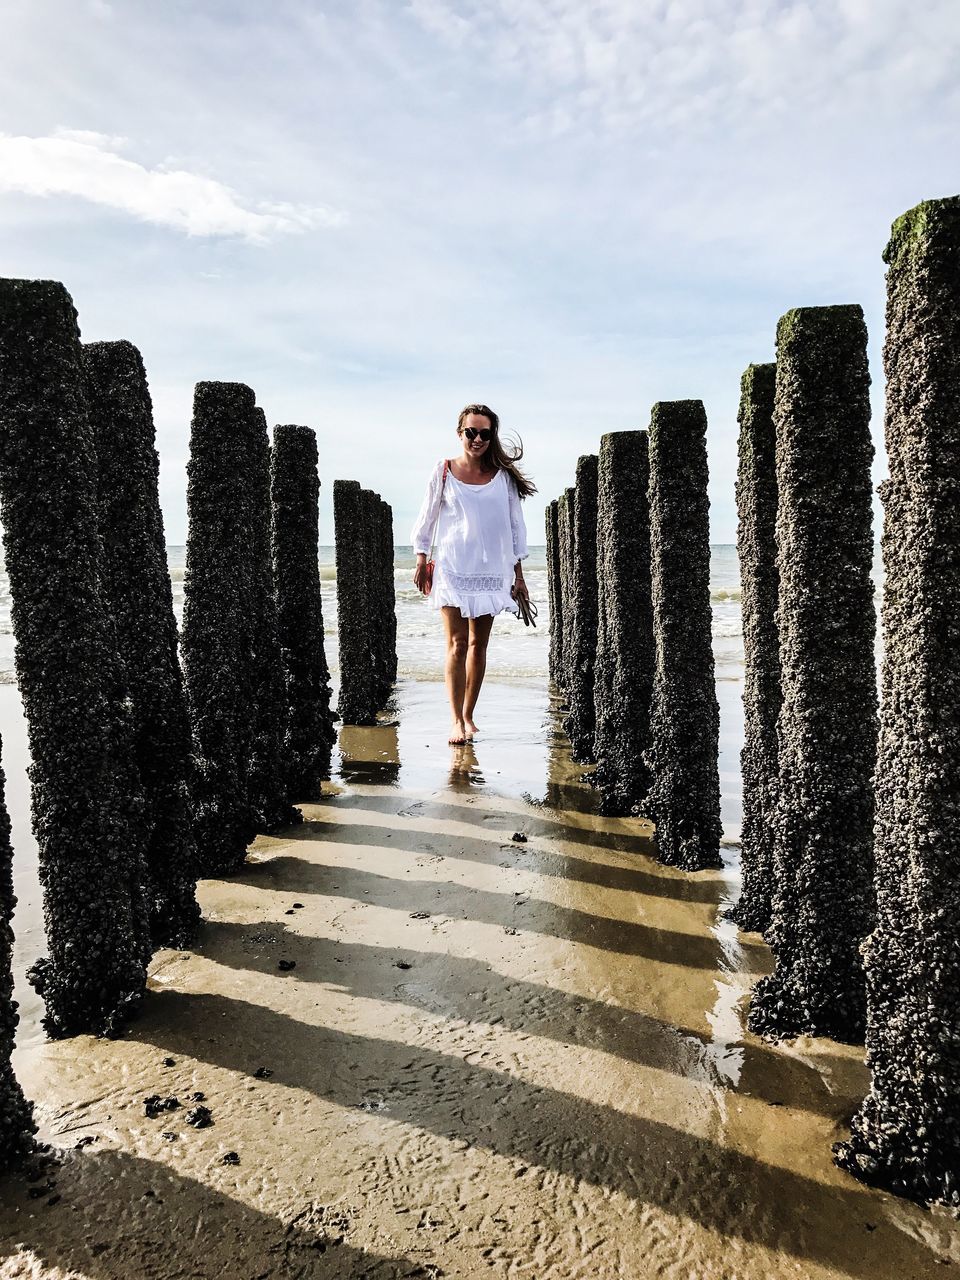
[565,555]
[684,799]
[17,1126]
[309,732]
[388,601]
[553,591]
[906,1135]
[87,804]
[270,809]
[373,604]
[137,592]
[569,584]
[759,579]
[823,903]
[357,670]
[216,624]
[623,677]
[583,613]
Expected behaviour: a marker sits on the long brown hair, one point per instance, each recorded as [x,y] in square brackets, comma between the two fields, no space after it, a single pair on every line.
[496,457]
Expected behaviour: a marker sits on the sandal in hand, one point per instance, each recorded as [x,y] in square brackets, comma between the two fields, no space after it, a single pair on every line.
[526,609]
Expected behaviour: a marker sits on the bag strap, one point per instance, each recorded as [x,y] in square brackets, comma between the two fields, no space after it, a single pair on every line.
[436,524]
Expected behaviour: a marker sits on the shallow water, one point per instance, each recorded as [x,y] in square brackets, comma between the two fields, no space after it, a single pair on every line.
[515,651]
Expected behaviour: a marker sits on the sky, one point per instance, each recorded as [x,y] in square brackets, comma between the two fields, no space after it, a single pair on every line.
[375,211]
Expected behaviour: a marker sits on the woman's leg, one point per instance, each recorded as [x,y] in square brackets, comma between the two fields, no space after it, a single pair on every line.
[480,629]
[457,636]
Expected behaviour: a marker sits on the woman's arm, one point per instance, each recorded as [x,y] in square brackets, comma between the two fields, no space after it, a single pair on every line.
[422,532]
[518,530]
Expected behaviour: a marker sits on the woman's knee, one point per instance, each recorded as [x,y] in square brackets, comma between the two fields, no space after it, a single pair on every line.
[457,647]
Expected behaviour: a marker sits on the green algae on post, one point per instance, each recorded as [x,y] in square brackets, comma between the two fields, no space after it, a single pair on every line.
[756,549]
[684,799]
[309,733]
[86,799]
[582,644]
[215,642]
[623,678]
[822,905]
[137,591]
[17,1125]
[906,1135]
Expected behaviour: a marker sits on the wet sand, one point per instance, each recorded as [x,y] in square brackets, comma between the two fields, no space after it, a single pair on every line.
[492,1058]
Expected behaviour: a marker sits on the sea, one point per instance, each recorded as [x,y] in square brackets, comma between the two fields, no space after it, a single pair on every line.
[515,653]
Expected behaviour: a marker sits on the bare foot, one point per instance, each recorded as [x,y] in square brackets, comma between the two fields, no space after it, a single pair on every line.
[471,727]
[458,734]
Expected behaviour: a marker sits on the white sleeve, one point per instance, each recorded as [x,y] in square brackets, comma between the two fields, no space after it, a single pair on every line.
[517,523]
[422,532]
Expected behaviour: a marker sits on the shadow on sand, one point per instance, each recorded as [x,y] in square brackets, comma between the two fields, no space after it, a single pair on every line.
[644,1160]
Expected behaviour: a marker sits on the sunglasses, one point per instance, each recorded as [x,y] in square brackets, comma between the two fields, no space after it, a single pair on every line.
[472,432]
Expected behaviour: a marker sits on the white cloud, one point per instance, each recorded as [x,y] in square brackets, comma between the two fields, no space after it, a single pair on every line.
[697,64]
[441,21]
[81,163]
[87,137]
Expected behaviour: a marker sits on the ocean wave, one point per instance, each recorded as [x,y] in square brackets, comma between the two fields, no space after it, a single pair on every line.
[434,674]
[726,628]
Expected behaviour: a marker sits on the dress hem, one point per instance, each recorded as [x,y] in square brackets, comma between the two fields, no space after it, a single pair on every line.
[472,606]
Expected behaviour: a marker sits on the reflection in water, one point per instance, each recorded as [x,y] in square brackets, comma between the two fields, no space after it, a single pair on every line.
[565,788]
[370,753]
[465,771]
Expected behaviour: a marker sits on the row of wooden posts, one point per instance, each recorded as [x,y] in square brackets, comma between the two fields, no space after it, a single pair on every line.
[628,561]
[851,821]
[146,776]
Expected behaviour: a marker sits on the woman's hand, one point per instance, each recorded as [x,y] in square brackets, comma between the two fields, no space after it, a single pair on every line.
[519,588]
[420,573]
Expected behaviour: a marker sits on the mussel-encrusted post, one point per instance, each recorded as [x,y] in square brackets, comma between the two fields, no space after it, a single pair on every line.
[388,600]
[376,619]
[906,1135]
[216,624]
[553,591]
[87,803]
[309,731]
[684,799]
[17,1126]
[270,810]
[136,587]
[569,584]
[357,704]
[759,579]
[823,902]
[565,553]
[376,613]
[583,613]
[623,677]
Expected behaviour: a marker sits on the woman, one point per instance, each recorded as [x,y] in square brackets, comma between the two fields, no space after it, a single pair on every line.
[473,504]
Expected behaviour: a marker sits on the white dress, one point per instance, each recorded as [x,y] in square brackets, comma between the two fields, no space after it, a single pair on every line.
[481,536]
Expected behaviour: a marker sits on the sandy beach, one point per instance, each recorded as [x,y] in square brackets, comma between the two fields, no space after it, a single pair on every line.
[490,1057]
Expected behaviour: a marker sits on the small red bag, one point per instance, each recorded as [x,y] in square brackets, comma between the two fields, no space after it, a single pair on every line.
[431,564]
